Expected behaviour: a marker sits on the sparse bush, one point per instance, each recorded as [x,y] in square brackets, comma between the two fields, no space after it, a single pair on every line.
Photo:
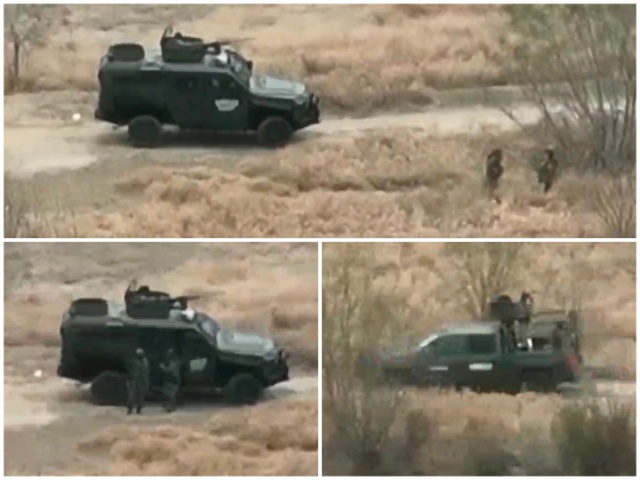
[597,438]
[25,26]
[614,201]
[356,320]
[591,48]
[24,216]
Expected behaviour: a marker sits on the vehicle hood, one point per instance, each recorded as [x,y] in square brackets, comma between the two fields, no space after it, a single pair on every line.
[272,87]
[244,343]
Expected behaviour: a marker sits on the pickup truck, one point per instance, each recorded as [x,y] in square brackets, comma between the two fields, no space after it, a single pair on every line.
[479,356]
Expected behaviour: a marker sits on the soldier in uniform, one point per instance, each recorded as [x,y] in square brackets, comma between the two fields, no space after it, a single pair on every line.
[138,382]
[493,170]
[556,336]
[171,380]
[548,170]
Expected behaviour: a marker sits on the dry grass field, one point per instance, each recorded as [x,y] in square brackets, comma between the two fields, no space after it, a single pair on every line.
[424,286]
[390,174]
[338,50]
[50,426]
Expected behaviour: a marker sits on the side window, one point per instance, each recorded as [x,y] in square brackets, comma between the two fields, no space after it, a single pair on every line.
[194,346]
[225,85]
[482,344]
[186,83]
[450,345]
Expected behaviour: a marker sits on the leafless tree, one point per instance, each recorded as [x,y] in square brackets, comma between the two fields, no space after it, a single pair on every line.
[357,319]
[487,269]
[578,65]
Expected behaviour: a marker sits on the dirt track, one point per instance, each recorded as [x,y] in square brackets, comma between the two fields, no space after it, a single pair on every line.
[70,145]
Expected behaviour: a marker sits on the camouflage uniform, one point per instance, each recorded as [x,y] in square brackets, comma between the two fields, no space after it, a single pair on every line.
[548,169]
[556,338]
[138,382]
[493,169]
[171,381]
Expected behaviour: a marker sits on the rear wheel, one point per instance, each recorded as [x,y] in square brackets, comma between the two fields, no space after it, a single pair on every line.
[145,131]
[274,132]
[243,389]
[109,388]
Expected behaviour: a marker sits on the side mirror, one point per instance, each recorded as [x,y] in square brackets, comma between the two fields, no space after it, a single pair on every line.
[250,65]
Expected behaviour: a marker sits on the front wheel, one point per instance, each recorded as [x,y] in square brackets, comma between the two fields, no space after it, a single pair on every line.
[274,132]
[243,389]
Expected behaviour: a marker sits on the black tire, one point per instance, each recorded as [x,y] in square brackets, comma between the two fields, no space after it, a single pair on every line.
[145,131]
[109,388]
[243,389]
[274,132]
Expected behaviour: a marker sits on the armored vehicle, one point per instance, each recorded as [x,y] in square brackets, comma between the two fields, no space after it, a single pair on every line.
[481,356]
[197,86]
[99,339]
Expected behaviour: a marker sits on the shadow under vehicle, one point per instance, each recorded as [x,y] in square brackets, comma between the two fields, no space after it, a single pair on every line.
[99,339]
[497,354]
[198,86]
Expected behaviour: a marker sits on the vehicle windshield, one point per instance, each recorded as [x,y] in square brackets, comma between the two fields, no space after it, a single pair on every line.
[208,325]
[239,66]
[426,341]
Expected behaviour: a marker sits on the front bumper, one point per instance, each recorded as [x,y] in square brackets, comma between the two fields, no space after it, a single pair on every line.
[277,371]
[311,115]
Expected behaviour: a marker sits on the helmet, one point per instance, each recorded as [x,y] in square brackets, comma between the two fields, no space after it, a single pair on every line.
[139,352]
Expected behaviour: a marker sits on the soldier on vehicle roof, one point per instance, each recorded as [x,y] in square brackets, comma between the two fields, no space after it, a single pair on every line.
[137,382]
[556,336]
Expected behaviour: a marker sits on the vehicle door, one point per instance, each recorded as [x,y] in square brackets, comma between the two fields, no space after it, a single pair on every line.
[480,368]
[197,358]
[156,342]
[230,102]
[189,100]
[439,360]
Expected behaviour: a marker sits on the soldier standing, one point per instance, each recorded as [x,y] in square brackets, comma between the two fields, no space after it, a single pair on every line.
[138,382]
[493,170]
[171,380]
[548,169]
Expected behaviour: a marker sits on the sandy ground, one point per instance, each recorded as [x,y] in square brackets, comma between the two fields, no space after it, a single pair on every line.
[46,417]
[49,419]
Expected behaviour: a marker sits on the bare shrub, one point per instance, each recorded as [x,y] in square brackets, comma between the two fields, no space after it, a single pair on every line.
[614,201]
[357,319]
[597,439]
[25,26]
[486,269]
[591,49]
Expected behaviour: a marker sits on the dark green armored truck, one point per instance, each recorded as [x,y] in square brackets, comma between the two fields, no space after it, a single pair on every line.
[483,357]
[198,86]
[99,338]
